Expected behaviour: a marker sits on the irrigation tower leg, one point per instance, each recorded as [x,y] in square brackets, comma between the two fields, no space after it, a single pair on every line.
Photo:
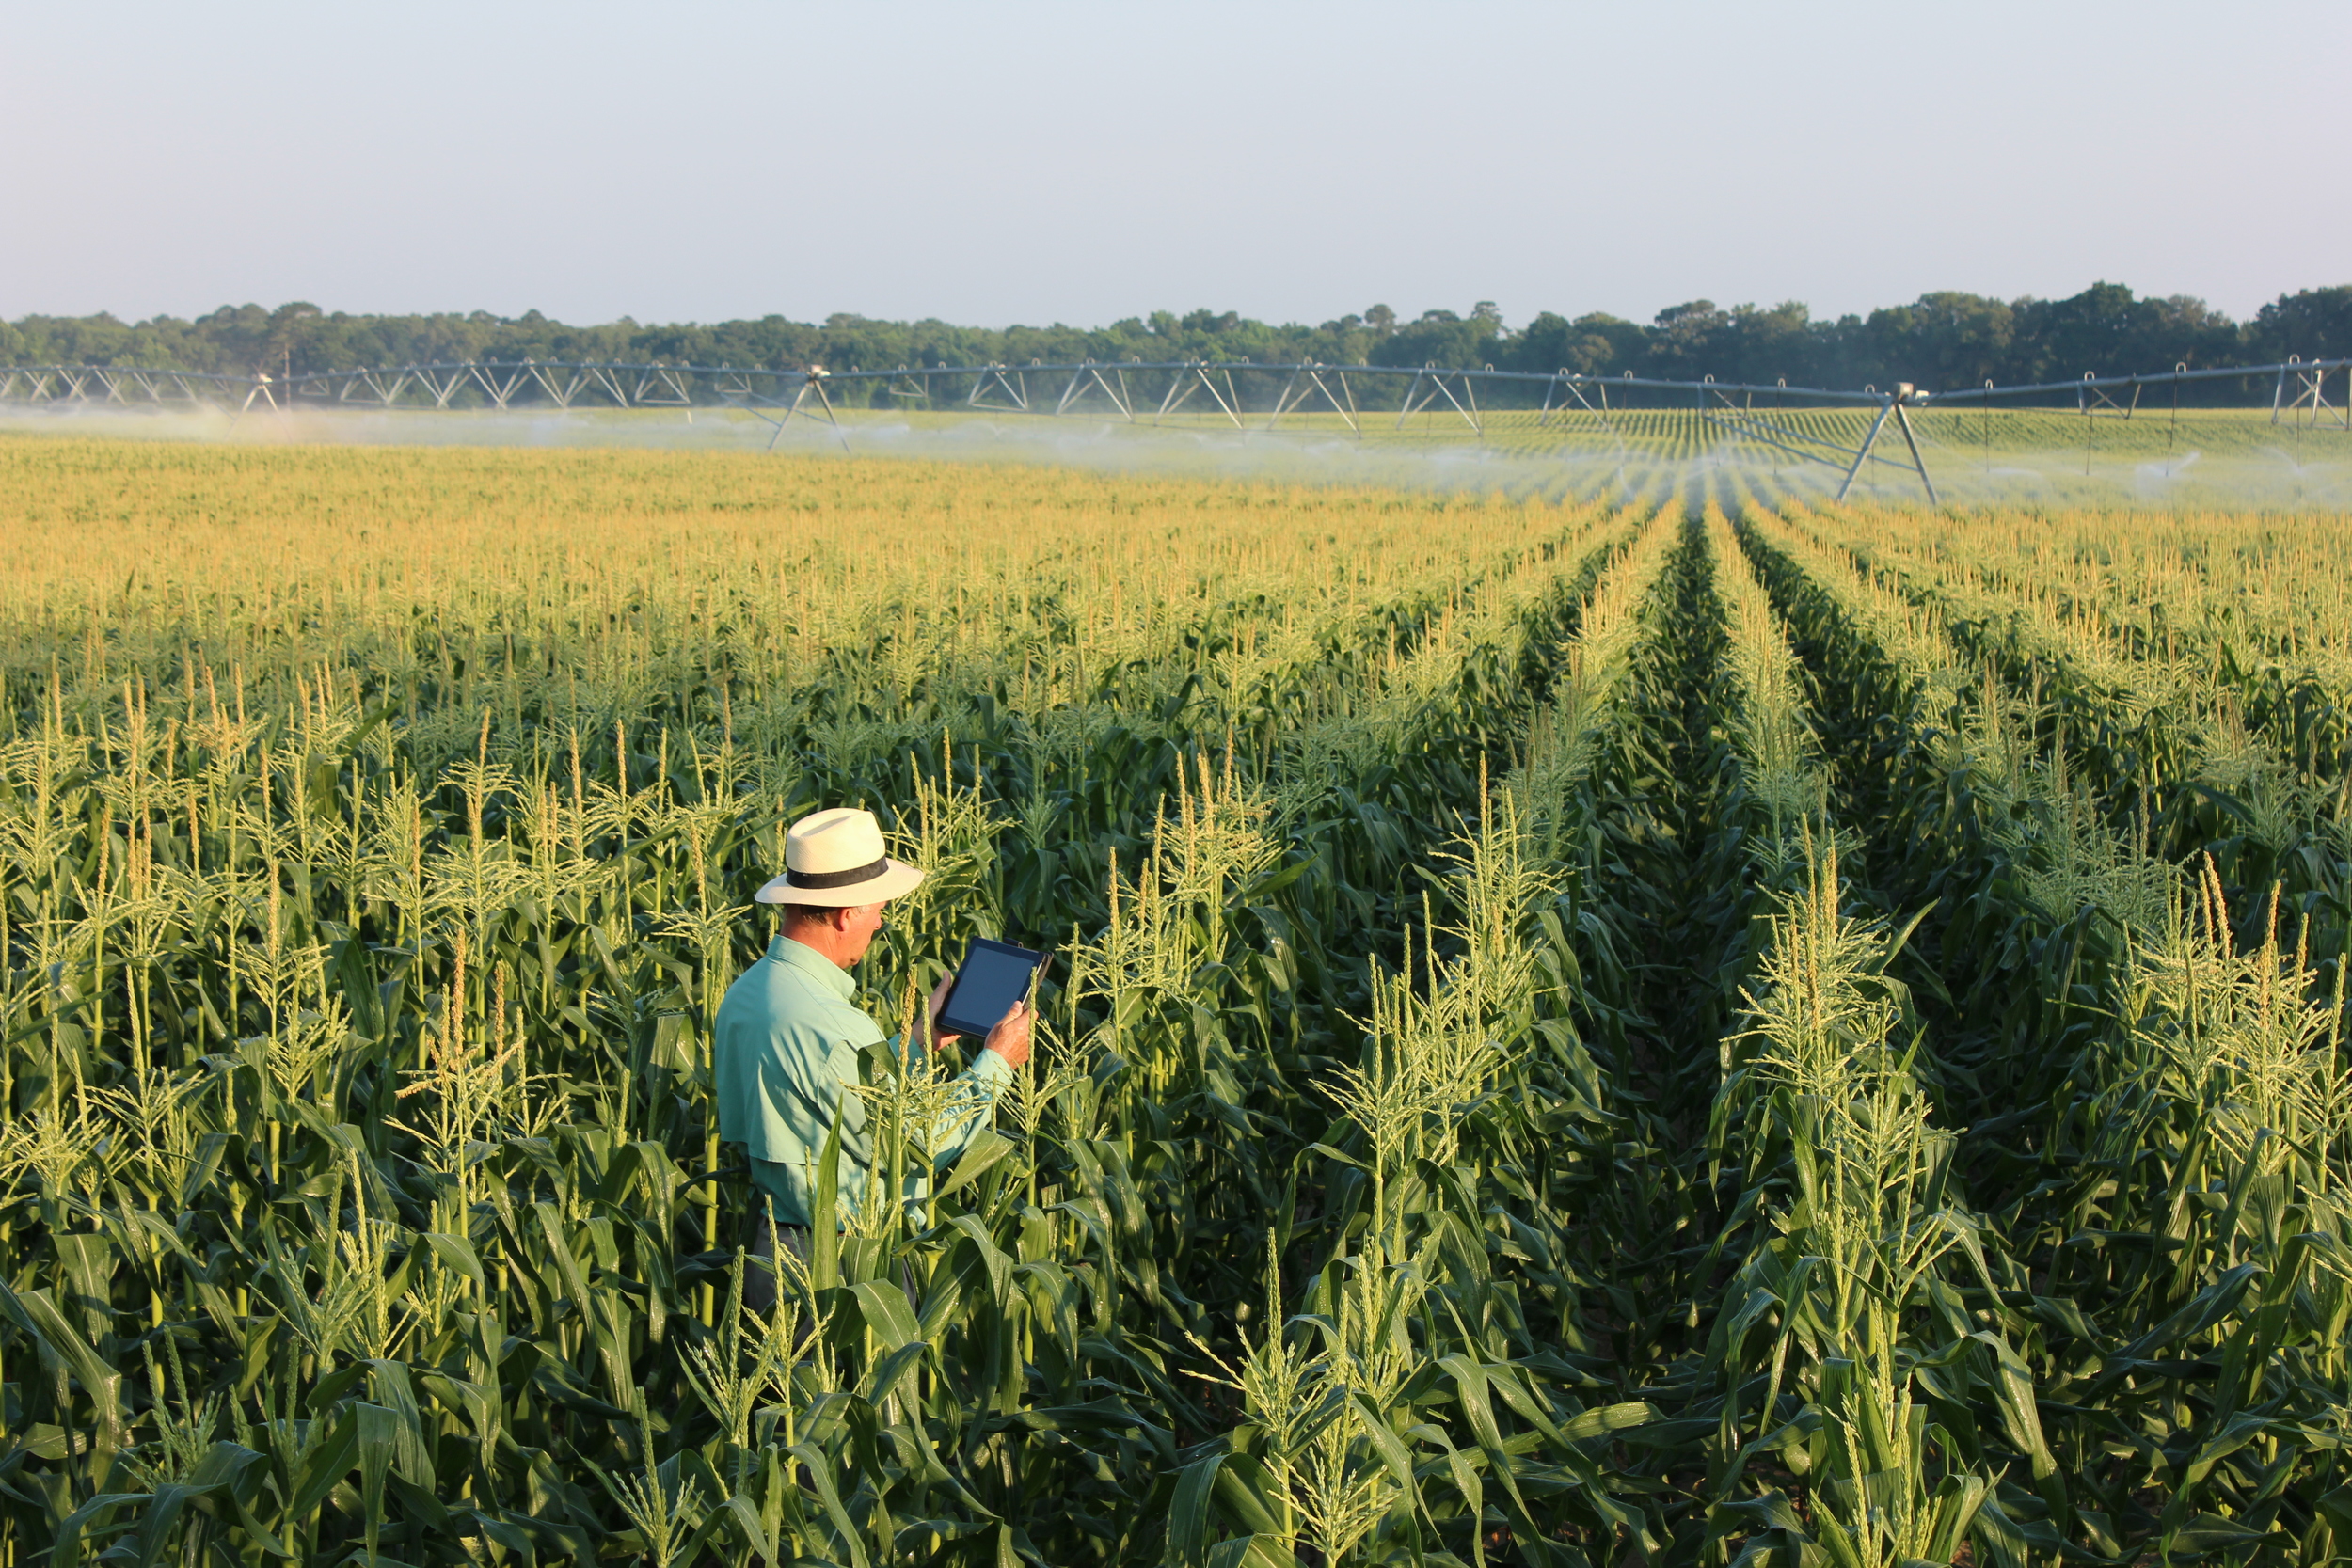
[1868,442]
[1916,461]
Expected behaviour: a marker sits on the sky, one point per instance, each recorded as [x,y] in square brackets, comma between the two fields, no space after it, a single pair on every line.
[1032,162]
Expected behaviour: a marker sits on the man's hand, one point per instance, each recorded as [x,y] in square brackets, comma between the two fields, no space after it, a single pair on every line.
[1010,1037]
[930,1013]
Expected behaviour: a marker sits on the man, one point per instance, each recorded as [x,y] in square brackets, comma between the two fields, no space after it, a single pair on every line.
[786,1042]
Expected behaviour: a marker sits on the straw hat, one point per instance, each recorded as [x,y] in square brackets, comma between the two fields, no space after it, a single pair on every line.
[833,859]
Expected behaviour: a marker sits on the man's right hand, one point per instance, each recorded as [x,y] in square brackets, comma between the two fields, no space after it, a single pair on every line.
[1010,1037]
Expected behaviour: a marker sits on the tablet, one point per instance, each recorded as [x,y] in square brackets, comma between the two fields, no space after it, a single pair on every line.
[995,975]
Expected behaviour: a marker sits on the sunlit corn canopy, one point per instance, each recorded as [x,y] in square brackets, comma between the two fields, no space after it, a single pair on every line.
[1666,1017]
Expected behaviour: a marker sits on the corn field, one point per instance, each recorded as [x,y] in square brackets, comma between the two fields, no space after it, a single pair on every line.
[1702,1030]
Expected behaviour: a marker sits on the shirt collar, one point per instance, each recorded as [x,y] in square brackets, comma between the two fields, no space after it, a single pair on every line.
[810,961]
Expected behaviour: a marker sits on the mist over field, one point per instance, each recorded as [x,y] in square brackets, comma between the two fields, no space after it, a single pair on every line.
[2217,460]
[2211,445]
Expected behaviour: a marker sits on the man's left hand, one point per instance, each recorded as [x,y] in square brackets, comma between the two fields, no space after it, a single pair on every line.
[930,1014]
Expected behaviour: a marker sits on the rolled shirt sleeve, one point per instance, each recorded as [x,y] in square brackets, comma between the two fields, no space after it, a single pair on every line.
[977,1087]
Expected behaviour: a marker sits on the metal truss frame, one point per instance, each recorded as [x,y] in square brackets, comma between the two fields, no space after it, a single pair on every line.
[1016,389]
[1466,403]
[564,383]
[737,389]
[1089,378]
[2089,387]
[126,385]
[1746,422]
[1568,386]
[1305,381]
[1092,390]
[2096,397]
[1193,377]
[2311,392]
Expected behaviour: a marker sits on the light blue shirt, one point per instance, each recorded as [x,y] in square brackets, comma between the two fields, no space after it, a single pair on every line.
[785,1052]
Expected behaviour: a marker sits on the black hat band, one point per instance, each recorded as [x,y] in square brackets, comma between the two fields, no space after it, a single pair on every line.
[820,879]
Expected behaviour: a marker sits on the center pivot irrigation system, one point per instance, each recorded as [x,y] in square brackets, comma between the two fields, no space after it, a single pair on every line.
[1247,396]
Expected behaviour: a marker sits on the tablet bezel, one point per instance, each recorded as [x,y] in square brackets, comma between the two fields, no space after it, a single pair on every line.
[948,1023]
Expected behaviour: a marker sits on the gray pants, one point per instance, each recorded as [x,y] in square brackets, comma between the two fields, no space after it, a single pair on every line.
[759,1263]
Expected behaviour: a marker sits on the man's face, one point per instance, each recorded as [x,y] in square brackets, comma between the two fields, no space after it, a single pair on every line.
[859,923]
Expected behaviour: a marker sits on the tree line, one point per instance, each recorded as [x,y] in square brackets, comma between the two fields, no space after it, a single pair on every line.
[1943,341]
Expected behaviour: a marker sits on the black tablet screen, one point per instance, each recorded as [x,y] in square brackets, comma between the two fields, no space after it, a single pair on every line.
[994,976]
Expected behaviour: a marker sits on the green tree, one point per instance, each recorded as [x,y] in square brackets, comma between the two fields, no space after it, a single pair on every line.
[1943,341]
[1442,338]
[2312,324]
[1689,340]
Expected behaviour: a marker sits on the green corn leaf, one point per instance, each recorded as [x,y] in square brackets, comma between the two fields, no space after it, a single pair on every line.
[1190,1521]
[819,1467]
[377,1433]
[559,1252]
[1957,1500]
[2021,1419]
[891,1371]
[66,1550]
[412,1455]
[2210,1532]
[320,1470]
[1246,1491]
[38,1316]
[1373,1424]
[825,1207]
[1249,1551]
[885,1311]
[987,1147]
[457,1252]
